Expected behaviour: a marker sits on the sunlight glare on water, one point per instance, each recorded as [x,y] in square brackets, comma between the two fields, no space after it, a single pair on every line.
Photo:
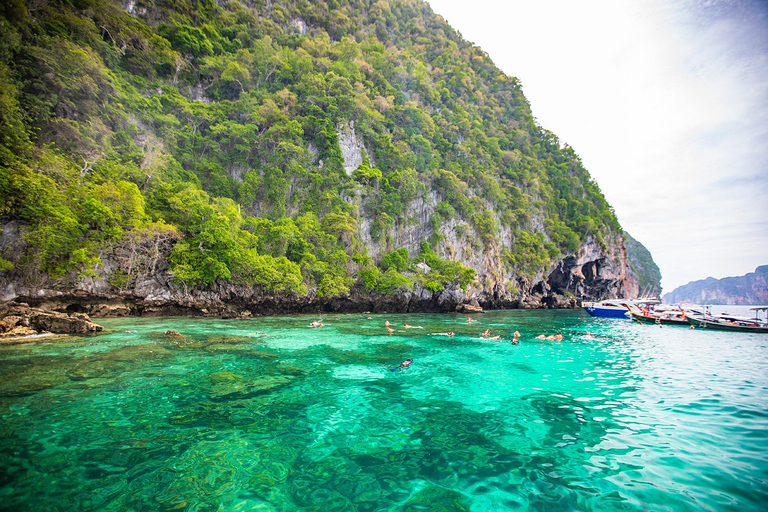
[268,414]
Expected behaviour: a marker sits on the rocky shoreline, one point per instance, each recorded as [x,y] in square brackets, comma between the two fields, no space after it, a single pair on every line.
[18,320]
[58,312]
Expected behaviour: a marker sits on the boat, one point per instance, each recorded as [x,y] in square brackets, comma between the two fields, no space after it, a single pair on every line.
[727,322]
[614,308]
[660,315]
[661,318]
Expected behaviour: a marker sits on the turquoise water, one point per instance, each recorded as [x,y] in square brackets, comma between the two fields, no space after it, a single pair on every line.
[225,418]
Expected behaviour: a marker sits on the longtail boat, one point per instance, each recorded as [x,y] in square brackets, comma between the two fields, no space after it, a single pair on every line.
[731,323]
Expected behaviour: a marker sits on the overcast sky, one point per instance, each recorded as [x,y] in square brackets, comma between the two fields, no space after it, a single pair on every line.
[666,103]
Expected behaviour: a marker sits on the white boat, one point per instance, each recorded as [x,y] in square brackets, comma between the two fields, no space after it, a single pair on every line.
[615,308]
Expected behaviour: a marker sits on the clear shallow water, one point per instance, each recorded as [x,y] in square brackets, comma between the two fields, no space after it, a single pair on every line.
[224,418]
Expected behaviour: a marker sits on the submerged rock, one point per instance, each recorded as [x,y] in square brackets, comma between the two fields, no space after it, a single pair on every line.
[231,386]
[438,499]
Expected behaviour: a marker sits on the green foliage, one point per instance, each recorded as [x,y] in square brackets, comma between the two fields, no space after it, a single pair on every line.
[399,260]
[365,175]
[443,272]
[5,264]
[84,262]
[369,277]
[528,254]
[213,136]
[392,281]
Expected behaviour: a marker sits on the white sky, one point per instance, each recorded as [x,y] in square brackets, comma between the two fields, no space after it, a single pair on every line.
[666,103]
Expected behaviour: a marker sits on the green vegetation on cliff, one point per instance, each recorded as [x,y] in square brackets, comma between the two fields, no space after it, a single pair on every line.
[210,132]
[641,262]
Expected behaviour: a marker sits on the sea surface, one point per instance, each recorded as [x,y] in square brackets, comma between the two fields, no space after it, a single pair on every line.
[269,414]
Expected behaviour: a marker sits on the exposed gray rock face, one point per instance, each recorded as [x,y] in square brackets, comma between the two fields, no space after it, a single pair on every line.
[351,147]
[299,25]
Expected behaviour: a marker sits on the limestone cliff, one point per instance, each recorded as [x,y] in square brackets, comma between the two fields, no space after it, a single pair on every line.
[251,157]
[592,272]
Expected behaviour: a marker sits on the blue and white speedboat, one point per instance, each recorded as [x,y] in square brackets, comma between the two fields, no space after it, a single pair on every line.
[614,308]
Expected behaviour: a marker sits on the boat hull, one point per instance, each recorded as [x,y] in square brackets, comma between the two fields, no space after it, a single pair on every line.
[701,323]
[649,319]
[606,312]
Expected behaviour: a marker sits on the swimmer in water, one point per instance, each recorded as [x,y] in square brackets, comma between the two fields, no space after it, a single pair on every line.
[487,332]
[404,364]
[541,337]
[412,326]
[449,334]
[390,330]
[469,320]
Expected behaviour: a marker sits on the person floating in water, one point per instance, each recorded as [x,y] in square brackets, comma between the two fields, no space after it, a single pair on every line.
[317,323]
[487,332]
[404,364]
[516,335]
[469,320]
[412,326]
[390,330]
[449,334]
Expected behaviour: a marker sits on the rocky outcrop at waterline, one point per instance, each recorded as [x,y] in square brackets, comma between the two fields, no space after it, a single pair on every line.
[18,319]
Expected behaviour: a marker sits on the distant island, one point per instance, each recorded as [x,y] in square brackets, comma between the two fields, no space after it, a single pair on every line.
[751,288]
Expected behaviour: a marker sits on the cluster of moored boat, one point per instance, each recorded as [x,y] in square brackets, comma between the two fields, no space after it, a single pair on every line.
[651,311]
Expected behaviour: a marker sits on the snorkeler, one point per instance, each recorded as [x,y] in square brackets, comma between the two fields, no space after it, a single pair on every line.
[404,364]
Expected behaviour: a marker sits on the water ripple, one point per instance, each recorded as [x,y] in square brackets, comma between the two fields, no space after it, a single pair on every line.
[636,418]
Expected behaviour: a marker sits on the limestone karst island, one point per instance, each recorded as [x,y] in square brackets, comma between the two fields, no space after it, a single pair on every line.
[238,158]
